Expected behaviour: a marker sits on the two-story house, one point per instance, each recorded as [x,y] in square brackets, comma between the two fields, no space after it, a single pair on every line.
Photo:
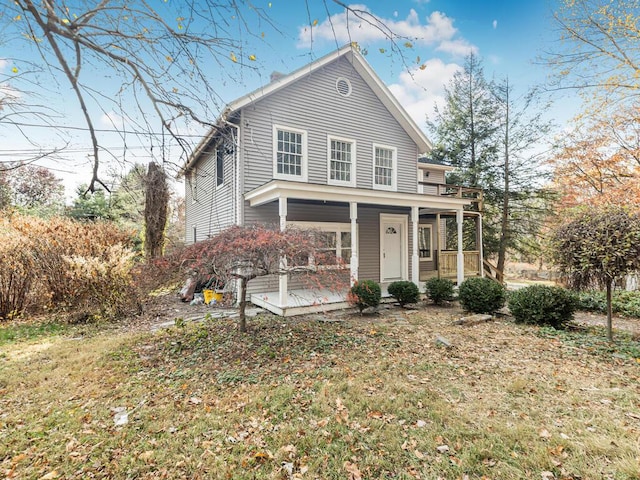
[329,147]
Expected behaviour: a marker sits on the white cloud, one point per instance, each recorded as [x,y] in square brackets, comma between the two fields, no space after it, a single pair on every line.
[113,120]
[458,47]
[3,63]
[418,91]
[495,24]
[345,27]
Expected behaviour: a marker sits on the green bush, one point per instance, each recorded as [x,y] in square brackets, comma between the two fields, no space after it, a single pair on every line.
[624,302]
[591,301]
[365,294]
[542,305]
[481,295]
[439,290]
[404,292]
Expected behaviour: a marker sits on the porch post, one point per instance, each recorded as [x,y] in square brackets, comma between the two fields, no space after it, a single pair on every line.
[479,240]
[438,247]
[415,259]
[460,263]
[283,277]
[353,213]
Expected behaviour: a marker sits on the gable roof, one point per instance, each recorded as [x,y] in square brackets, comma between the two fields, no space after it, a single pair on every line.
[350,53]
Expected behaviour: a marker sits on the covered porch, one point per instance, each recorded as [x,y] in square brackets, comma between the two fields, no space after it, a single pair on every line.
[376,233]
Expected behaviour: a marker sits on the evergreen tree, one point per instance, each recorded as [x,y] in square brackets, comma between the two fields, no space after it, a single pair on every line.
[494,139]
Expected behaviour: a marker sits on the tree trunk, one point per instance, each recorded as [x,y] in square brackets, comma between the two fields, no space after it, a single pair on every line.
[504,233]
[609,311]
[155,210]
[242,325]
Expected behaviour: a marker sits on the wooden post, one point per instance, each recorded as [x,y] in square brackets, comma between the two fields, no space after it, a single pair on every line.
[283,287]
[353,214]
[415,259]
[460,263]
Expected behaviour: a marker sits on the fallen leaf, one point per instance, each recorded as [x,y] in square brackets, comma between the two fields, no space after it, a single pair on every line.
[544,433]
[146,456]
[49,476]
[260,456]
[442,448]
[18,458]
[353,470]
[195,400]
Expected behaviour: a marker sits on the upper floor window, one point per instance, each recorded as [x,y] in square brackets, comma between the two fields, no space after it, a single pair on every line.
[220,164]
[290,154]
[342,156]
[384,167]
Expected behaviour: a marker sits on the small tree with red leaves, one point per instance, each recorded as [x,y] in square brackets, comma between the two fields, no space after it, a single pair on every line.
[248,252]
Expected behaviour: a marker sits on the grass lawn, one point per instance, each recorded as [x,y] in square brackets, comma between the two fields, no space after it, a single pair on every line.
[366,397]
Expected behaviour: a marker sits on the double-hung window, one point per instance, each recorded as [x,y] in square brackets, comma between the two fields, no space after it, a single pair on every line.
[384,167]
[290,154]
[341,161]
[334,242]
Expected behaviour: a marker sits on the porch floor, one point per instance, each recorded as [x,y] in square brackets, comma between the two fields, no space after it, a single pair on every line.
[301,301]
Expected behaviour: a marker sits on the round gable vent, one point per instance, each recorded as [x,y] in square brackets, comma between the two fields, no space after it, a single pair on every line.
[343,86]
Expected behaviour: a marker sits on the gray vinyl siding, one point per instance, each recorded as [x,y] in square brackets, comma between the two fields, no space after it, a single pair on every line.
[368,235]
[208,206]
[431,176]
[312,104]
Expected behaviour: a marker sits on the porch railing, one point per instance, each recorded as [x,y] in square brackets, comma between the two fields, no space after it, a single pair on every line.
[457,191]
[448,263]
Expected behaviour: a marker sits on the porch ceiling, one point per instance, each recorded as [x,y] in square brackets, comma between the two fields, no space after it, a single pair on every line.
[276,189]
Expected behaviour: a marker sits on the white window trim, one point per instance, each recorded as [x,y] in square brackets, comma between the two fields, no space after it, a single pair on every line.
[394,168]
[336,227]
[430,227]
[330,181]
[280,176]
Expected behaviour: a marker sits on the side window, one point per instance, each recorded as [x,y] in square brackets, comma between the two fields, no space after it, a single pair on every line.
[220,164]
[425,249]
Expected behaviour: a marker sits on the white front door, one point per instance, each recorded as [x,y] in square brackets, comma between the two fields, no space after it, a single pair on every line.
[392,247]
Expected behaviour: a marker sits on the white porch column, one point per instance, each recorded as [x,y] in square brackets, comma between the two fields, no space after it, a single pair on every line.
[353,211]
[283,287]
[460,263]
[438,244]
[480,246]
[415,258]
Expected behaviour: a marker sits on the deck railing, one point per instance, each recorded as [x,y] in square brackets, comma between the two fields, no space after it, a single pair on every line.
[448,263]
[457,191]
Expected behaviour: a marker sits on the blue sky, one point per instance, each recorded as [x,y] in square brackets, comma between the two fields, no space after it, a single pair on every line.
[506,35]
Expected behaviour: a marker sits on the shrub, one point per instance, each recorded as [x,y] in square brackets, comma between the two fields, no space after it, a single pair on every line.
[626,303]
[439,290]
[16,266]
[365,294]
[404,292]
[591,301]
[68,264]
[542,305]
[481,295]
